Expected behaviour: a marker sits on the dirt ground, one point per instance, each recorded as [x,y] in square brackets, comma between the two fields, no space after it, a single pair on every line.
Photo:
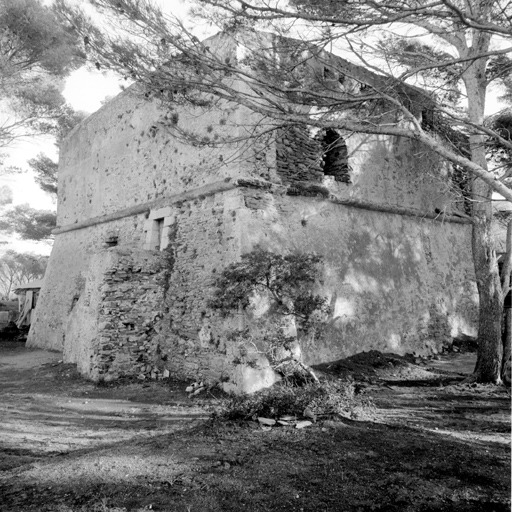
[431,443]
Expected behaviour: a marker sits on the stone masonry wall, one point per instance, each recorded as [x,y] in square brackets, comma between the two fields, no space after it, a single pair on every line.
[132,303]
[126,154]
[146,222]
[204,239]
[395,283]
[73,264]
[299,157]
[394,171]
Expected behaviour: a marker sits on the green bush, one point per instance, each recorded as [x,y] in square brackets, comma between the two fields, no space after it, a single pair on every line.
[324,399]
[286,280]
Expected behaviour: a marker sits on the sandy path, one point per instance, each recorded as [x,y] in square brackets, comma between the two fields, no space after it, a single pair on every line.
[45,407]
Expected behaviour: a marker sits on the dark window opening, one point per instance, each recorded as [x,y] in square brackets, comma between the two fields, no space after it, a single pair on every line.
[74,302]
[462,186]
[156,235]
[111,241]
[328,74]
[335,156]
[427,119]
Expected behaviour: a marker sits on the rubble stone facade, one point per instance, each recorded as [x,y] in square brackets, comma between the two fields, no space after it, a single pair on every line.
[147,221]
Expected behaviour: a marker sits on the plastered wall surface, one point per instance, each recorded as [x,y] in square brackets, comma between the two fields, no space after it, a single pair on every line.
[82,342]
[128,310]
[204,238]
[395,283]
[125,154]
[396,172]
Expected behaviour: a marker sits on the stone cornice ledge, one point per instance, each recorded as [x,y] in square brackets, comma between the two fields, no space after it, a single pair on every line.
[197,193]
[232,183]
[400,210]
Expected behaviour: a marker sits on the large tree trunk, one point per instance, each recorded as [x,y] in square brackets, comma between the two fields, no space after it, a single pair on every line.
[490,345]
[488,366]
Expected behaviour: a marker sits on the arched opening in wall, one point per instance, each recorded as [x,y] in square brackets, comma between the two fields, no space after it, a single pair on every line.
[335,156]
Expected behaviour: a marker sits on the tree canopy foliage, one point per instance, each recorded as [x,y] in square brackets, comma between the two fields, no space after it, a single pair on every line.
[29,223]
[43,166]
[37,50]
[287,281]
[20,268]
[46,172]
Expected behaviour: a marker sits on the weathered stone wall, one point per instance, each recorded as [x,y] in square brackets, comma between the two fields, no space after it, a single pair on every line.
[124,310]
[383,170]
[70,264]
[299,156]
[146,222]
[205,237]
[131,306]
[394,282]
[396,171]
[109,323]
[127,154]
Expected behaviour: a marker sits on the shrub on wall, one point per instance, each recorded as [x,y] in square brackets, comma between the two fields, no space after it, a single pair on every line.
[286,282]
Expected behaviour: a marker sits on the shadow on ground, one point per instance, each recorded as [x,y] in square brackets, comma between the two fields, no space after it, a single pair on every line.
[70,446]
[361,466]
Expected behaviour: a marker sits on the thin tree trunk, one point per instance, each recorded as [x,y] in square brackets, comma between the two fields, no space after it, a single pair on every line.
[507,345]
[506,270]
[505,286]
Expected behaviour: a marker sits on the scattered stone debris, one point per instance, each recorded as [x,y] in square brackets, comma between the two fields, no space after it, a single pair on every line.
[267,421]
[195,388]
[267,424]
[308,413]
[333,424]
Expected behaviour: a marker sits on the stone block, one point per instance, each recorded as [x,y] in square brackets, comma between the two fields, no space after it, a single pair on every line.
[160,213]
[164,243]
[169,221]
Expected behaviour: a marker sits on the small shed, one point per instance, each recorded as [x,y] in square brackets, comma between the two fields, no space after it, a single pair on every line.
[27,294]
